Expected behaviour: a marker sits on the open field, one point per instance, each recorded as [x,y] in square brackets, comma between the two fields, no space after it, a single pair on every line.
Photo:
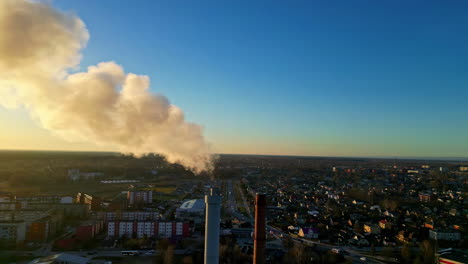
[164,189]
[43,172]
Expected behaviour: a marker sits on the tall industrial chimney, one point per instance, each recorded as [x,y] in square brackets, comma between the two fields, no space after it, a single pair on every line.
[212,221]
[259,232]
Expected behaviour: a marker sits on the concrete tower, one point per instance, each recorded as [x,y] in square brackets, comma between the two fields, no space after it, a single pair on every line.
[212,221]
[259,232]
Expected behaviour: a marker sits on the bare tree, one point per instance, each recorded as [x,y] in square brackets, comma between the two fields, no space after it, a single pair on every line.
[169,255]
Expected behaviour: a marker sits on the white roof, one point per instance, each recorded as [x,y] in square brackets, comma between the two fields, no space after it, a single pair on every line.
[195,204]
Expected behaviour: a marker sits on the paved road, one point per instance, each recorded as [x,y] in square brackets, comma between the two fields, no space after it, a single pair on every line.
[232,204]
[91,253]
[244,201]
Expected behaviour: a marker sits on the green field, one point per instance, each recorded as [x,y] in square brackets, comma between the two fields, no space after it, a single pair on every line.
[46,173]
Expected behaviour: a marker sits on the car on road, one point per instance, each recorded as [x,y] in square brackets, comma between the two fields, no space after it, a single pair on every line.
[150,253]
[130,253]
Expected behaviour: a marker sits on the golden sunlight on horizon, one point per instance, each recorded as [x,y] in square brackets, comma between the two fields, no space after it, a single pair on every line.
[19,132]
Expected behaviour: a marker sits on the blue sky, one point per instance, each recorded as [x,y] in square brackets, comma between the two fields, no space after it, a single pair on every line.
[335,78]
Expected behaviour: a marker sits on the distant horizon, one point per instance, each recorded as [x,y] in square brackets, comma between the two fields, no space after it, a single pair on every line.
[300,78]
[151,130]
[454,159]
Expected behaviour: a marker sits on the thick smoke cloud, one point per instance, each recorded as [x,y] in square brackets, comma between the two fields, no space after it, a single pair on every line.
[40,46]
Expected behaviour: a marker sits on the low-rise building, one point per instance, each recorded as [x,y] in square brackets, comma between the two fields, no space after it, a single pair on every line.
[75,175]
[195,206]
[429,225]
[384,224]
[66,200]
[308,232]
[372,229]
[425,197]
[439,234]
[193,210]
[363,242]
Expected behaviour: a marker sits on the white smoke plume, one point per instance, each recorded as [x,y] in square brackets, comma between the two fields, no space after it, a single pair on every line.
[40,46]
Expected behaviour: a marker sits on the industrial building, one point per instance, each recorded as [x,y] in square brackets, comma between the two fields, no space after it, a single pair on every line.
[193,210]
[195,206]
[75,175]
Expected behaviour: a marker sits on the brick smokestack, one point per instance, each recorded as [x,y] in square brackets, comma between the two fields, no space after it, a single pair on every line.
[259,232]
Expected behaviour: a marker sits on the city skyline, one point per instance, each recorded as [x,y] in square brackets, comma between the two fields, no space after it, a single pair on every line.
[220,132]
[307,79]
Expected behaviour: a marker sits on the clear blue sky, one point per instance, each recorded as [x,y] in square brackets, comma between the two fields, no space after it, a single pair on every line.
[339,78]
